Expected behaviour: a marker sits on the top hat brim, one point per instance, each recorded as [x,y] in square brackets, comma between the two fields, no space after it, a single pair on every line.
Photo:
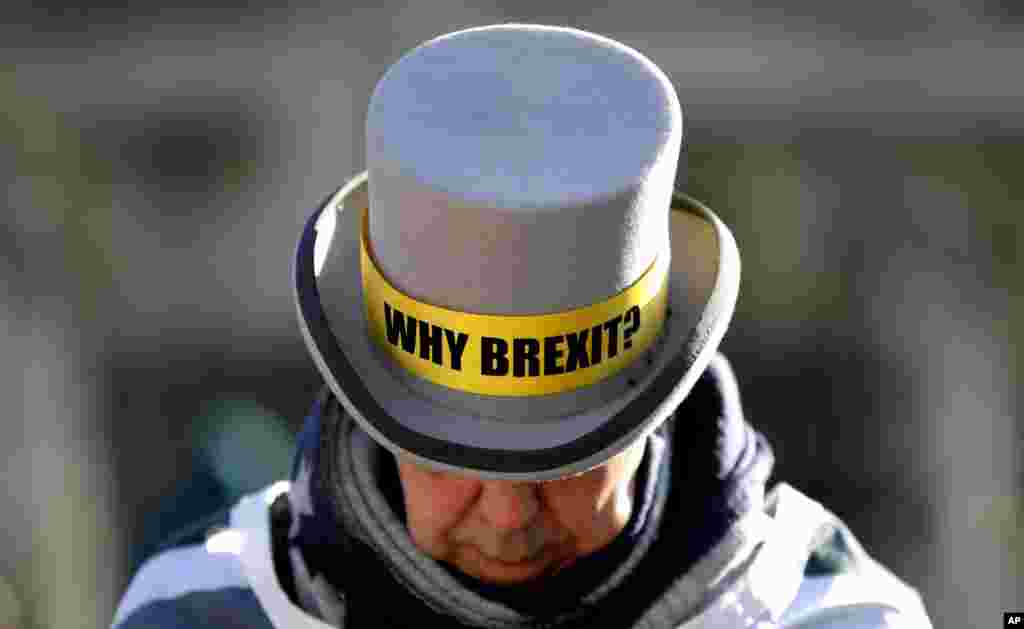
[703,288]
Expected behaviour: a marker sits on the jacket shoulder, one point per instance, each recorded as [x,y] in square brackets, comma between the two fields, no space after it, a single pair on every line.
[229,580]
[865,600]
[844,587]
[190,586]
[192,580]
[221,608]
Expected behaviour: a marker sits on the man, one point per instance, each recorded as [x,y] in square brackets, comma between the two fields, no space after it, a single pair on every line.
[525,421]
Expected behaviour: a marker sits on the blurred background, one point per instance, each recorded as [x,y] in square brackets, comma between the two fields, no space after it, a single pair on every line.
[159,162]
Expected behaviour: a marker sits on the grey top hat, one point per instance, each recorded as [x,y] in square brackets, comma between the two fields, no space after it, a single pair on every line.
[514,171]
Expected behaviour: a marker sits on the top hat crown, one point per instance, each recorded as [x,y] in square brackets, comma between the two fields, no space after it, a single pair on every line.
[520,169]
[513,289]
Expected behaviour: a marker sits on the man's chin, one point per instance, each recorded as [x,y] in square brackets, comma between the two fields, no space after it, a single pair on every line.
[497,572]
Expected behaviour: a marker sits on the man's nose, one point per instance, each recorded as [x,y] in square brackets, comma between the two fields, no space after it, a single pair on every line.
[509,505]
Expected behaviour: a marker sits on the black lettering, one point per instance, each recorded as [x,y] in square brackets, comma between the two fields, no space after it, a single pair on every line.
[523,351]
[630,324]
[612,325]
[493,356]
[399,326]
[431,337]
[551,355]
[456,345]
[595,344]
[577,350]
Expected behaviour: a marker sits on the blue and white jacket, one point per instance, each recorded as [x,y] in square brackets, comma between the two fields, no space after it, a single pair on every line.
[709,548]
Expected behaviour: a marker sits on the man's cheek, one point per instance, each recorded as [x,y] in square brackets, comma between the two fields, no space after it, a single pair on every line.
[574,513]
[438,511]
[432,517]
[444,510]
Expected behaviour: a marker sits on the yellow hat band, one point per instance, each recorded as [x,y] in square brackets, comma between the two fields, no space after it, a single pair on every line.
[514,355]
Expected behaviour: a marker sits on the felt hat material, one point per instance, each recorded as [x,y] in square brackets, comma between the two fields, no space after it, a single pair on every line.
[516,170]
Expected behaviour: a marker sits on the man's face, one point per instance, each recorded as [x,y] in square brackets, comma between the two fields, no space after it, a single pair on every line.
[510,532]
